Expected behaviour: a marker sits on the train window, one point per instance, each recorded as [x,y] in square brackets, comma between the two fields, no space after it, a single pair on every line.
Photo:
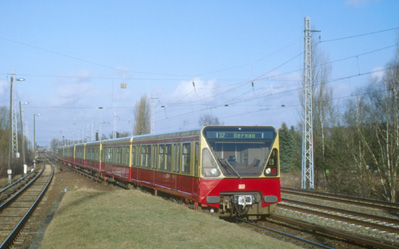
[133,155]
[149,152]
[186,158]
[109,154]
[161,157]
[176,161]
[138,156]
[154,156]
[145,156]
[168,157]
[127,152]
[118,156]
[165,157]
[123,155]
[196,159]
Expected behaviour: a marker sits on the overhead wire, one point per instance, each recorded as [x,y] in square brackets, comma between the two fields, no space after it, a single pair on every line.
[243,83]
[359,35]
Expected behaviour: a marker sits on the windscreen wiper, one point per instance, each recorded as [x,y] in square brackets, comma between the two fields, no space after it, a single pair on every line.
[226,164]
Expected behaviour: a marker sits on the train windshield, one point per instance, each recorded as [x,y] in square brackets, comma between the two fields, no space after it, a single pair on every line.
[241,151]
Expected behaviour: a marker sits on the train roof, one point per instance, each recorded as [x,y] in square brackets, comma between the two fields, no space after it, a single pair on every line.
[183,133]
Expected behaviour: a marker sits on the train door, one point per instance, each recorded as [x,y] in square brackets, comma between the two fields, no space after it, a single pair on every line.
[195,159]
[154,162]
[185,183]
[74,156]
[84,155]
[176,164]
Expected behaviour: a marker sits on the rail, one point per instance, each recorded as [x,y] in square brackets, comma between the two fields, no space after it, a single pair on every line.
[12,235]
[15,182]
[391,206]
[333,232]
[306,241]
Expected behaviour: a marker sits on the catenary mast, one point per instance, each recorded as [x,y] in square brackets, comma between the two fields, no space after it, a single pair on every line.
[307,179]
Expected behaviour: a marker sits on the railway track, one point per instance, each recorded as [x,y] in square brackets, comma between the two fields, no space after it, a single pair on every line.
[10,188]
[16,210]
[363,226]
[298,240]
[351,200]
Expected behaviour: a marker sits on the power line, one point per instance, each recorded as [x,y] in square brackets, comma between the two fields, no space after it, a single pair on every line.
[86,61]
[359,35]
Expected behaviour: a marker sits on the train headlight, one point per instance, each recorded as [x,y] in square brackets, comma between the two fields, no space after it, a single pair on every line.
[268,171]
[211,172]
[214,171]
[209,166]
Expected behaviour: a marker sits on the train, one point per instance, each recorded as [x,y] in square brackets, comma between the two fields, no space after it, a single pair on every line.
[233,171]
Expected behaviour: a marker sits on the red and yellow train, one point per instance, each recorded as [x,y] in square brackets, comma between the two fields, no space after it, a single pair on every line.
[233,170]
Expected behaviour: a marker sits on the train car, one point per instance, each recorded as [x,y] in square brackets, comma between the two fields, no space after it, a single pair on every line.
[60,154]
[167,163]
[240,173]
[80,150]
[92,160]
[232,170]
[68,156]
[115,158]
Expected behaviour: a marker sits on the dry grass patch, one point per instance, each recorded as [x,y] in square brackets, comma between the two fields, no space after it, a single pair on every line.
[291,179]
[132,219]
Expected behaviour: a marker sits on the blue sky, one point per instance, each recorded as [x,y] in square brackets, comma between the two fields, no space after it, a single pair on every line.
[75,54]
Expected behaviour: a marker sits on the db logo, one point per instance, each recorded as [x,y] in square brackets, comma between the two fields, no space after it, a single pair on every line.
[241,186]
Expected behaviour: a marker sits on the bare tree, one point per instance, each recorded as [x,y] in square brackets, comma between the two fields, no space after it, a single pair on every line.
[376,122]
[142,116]
[4,136]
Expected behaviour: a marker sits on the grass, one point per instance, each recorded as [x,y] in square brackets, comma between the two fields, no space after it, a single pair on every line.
[132,219]
[291,179]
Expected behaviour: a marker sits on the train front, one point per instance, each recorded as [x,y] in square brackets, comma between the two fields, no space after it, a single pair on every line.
[240,174]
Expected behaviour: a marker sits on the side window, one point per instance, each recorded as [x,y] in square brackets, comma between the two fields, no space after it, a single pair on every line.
[142,163]
[133,156]
[154,156]
[126,155]
[186,158]
[118,158]
[123,160]
[161,157]
[138,156]
[196,162]
[145,156]
[176,161]
[168,157]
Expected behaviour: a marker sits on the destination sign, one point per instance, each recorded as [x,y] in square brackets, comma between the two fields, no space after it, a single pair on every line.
[239,135]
